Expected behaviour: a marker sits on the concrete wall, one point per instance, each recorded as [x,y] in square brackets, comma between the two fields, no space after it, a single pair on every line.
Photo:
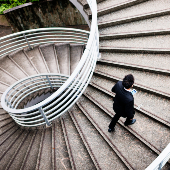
[55,13]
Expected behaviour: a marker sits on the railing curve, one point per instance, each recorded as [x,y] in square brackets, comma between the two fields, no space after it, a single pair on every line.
[69,88]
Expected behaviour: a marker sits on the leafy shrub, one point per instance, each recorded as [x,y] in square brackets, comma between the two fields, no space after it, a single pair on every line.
[7,4]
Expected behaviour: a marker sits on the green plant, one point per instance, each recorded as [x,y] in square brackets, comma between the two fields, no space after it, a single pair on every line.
[7,4]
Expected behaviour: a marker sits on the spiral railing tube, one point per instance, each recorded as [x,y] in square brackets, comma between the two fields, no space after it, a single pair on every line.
[69,88]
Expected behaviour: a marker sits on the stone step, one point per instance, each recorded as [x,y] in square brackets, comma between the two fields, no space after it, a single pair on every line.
[3,86]
[144,8]
[16,160]
[37,59]
[120,35]
[63,55]
[6,77]
[49,54]
[152,23]
[110,6]
[9,147]
[8,131]
[150,102]
[133,67]
[153,61]
[60,157]
[76,52]
[134,50]
[5,122]
[153,42]
[81,157]
[44,160]
[2,111]
[85,4]
[136,107]
[11,67]
[123,20]
[32,152]
[103,154]
[120,138]
[4,127]
[147,136]
[142,78]
[4,117]
[21,59]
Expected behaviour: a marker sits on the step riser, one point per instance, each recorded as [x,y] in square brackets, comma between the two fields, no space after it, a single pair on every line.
[119,7]
[167,73]
[133,19]
[132,35]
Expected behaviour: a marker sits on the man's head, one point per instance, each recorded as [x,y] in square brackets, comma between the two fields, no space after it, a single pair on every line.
[128,81]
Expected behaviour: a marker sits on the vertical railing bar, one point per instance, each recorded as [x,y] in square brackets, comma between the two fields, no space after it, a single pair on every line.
[44,116]
[160,166]
[49,81]
[27,41]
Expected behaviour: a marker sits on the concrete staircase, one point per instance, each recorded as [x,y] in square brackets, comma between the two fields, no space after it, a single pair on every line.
[134,38]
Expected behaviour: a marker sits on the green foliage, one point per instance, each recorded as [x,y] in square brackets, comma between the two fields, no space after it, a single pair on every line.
[7,4]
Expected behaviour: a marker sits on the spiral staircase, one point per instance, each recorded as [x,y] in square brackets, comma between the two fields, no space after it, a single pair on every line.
[134,38]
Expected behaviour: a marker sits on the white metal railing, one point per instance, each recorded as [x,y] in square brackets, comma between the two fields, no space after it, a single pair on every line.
[69,88]
[161,160]
[30,38]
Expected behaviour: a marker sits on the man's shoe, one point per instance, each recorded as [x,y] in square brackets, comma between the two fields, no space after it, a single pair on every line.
[111,130]
[130,123]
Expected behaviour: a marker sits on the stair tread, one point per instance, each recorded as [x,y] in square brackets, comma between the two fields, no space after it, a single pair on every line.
[76,52]
[17,161]
[124,141]
[142,25]
[3,87]
[44,160]
[9,152]
[159,41]
[60,155]
[20,58]
[80,155]
[11,67]
[160,61]
[147,131]
[159,82]
[150,102]
[63,55]
[149,6]
[35,56]
[50,57]
[105,156]
[108,3]
[33,153]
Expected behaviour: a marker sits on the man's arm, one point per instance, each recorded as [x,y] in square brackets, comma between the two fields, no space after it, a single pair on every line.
[129,110]
[113,88]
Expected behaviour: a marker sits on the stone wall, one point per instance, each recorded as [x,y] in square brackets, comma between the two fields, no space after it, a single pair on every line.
[55,13]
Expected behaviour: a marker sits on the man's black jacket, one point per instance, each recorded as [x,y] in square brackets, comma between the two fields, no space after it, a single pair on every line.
[123,102]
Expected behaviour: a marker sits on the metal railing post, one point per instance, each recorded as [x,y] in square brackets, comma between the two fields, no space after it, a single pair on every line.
[160,166]
[27,41]
[49,81]
[44,116]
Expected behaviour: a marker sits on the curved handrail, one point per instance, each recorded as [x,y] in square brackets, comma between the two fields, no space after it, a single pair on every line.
[69,92]
[30,38]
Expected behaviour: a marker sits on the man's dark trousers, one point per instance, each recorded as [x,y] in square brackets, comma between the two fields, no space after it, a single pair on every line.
[115,119]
